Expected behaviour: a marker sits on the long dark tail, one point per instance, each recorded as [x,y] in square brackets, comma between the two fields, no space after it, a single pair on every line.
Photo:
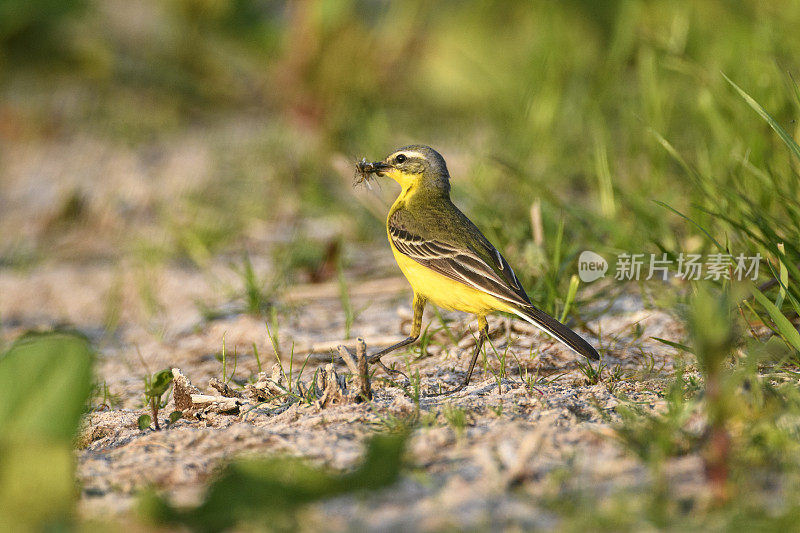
[550,325]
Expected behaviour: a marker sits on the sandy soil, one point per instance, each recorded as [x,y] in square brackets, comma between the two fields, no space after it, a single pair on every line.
[489,475]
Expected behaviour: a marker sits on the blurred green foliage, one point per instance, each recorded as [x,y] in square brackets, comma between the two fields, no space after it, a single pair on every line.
[35,29]
[43,374]
[270,492]
[45,382]
[566,102]
[738,415]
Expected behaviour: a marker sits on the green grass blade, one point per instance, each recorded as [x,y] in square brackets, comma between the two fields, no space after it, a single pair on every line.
[783,277]
[795,89]
[675,155]
[676,345]
[784,327]
[701,228]
[573,290]
[784,287]
[784,135]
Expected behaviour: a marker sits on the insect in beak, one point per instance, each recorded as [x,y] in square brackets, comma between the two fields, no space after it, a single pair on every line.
[365,170]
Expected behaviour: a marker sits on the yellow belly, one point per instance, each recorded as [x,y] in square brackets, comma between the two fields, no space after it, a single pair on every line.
[445,292]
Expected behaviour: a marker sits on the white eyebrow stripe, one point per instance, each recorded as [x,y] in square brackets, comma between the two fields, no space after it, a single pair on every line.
[408,154]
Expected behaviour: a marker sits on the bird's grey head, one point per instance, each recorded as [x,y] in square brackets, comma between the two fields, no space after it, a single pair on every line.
[423,161]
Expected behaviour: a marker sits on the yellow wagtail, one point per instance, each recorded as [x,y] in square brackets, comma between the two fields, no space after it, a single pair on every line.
[446,258]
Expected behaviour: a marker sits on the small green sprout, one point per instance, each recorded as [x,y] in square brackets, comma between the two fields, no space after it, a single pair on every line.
[155,387]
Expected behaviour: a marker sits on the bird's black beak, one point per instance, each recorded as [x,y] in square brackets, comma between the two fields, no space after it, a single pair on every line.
[376,167]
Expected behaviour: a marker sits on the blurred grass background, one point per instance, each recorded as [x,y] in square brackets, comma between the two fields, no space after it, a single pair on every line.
[183,130]
[560,101]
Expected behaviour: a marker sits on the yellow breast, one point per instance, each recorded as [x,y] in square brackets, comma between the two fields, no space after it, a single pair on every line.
[438,288]
[445,292]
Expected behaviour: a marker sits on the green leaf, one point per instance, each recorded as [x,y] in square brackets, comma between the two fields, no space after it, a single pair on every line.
[37,485]
[701,228]
[45,382]
[784,135]
[160,383]
[144,422]
[174,416]
[676,345]
[571,292]
[675,155]
[784,327]
[270,491]
[711,329]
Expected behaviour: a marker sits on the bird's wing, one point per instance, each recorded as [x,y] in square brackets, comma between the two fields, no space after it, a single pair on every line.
[480,265]
[488,272]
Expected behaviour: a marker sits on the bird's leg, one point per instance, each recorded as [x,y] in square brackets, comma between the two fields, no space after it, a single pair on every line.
[416,329]
[483,326]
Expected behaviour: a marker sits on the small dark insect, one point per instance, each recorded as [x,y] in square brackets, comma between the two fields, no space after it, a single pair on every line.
[364,172]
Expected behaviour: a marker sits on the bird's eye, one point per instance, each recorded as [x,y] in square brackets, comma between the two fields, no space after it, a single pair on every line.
[400,158]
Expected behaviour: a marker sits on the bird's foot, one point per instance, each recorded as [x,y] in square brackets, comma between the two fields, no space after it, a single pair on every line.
[392,371]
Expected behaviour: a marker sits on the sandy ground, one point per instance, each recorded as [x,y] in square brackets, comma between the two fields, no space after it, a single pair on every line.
[499,471]
[489,475]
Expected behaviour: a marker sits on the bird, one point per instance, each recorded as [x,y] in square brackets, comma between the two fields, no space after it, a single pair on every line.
[446,258]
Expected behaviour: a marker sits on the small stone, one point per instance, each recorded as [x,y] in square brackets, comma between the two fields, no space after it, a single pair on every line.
[182,390]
